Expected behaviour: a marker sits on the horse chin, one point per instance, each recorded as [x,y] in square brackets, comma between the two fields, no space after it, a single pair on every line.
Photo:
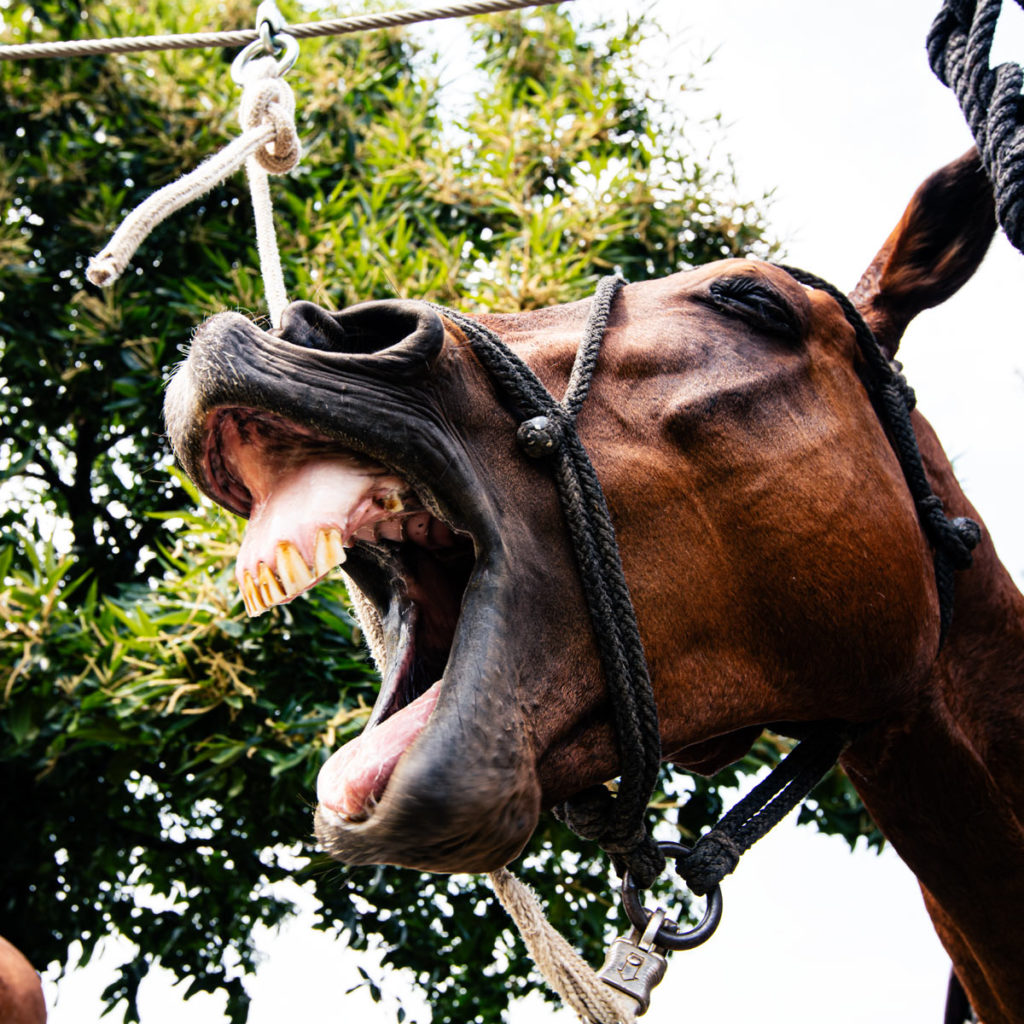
[413,826]
[435,786]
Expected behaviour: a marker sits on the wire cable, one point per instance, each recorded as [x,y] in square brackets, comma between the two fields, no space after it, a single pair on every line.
[241,37]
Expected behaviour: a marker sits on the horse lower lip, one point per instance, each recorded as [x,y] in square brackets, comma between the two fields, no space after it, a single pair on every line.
[356,775]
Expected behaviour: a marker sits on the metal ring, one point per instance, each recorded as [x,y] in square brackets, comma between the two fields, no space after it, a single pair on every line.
[669,935]
[280,41]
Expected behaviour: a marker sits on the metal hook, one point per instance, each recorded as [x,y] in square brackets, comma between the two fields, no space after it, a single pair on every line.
[270,20]
[273,39]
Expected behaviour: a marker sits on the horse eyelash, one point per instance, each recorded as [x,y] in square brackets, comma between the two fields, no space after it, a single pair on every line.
[751,300]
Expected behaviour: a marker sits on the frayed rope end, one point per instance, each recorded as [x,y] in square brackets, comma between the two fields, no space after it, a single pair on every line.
[103,270]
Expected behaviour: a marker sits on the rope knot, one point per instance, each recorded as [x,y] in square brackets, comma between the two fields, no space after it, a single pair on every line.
[587,812]
[269,100]
[269,143]
[962,537]
[955,538]
[591,815]
[642,858]
[714,856]
[968,531]
[540,436]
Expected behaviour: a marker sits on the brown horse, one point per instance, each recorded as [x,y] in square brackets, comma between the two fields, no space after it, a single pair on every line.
[772,549]
[21,994]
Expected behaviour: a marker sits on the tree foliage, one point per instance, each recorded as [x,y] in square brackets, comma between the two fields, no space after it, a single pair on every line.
[157,754]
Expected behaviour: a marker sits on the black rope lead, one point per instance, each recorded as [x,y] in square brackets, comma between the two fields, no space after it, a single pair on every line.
[959,50]
[717,852]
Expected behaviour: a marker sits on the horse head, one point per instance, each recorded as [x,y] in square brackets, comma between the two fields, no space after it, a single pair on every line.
[773,553]
[771,547]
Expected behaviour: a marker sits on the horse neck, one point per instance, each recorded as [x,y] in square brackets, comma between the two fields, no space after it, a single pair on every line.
[942,778]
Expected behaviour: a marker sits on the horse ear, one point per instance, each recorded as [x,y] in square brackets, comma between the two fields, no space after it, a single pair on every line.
[936,247]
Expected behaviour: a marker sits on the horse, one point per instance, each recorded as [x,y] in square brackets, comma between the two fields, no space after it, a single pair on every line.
[21,993]
[773,553]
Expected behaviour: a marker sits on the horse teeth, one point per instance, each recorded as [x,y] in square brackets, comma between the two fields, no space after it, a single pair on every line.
[270,588]
[329,551]
[251,596]
[292,568]
[290,575]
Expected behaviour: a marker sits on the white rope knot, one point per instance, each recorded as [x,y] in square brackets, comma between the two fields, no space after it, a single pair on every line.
[269,143]
[269,101]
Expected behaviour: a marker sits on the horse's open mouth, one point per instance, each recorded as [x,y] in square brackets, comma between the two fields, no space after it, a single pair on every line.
[310,507]
[335,437]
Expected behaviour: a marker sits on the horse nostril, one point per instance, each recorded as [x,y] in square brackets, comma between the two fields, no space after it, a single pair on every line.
[399,328]
[306,324]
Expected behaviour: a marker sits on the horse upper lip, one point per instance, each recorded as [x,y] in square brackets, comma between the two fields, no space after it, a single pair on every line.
[315,389]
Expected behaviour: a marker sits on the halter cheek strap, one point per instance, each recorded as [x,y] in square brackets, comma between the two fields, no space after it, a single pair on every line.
[548,432]
[952,540]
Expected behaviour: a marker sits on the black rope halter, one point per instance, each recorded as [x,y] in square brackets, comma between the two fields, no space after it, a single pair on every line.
[547,431]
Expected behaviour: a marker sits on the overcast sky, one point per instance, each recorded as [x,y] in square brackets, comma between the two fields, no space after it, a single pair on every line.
[834,107]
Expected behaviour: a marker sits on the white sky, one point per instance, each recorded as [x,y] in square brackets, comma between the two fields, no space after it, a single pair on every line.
[833,106]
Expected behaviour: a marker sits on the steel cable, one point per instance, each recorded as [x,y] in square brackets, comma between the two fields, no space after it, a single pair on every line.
[241,37]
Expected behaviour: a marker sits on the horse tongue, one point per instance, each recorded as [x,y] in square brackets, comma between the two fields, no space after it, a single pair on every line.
[354,777]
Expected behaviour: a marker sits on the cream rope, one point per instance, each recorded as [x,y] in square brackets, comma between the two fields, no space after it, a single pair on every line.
[563,968]
[268,144]
[268,99]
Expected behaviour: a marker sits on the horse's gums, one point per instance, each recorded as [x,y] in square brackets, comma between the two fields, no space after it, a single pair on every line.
[772,549]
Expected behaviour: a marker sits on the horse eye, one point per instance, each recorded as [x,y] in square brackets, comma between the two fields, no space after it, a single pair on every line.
[757,304]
